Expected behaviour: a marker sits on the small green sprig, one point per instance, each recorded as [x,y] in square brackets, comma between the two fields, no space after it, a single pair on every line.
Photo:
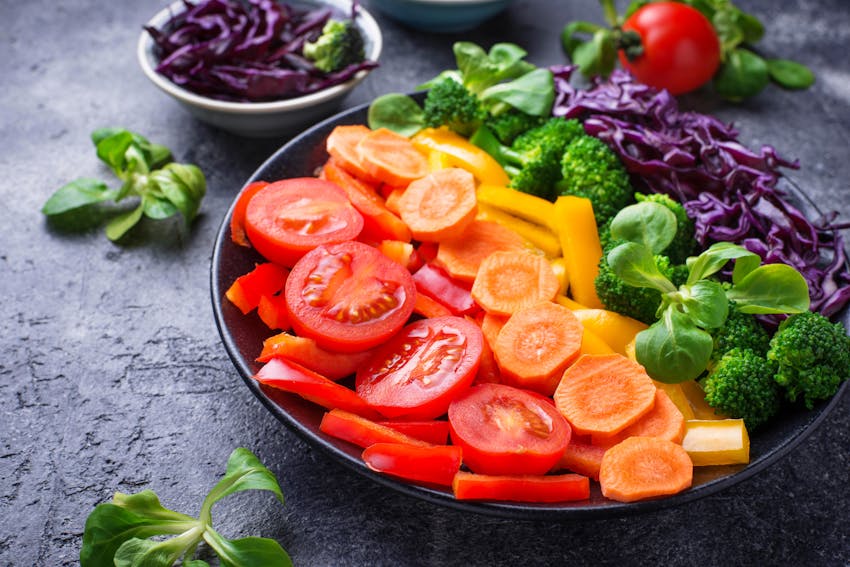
[678,346]
[116,533]
[163,189]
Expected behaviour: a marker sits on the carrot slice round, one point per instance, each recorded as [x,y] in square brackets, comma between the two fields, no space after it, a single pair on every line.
[644,467]
[440,205]
[341,145]
[508,281]
[536,345]
[603,394]
[461,257]
[391,158]
[664,421]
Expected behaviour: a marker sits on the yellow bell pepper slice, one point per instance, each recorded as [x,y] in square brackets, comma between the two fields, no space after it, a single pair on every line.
[591,343]
[559,266]
[539,236]
[717,442]
[678,397]
[696,397]
[569,303]
[529,207]
[575,226]
[615,329]
[462,153]
[438,160]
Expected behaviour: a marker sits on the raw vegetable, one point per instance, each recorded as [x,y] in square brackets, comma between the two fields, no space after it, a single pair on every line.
[521,488]
[435,432]
[439,286]
[162,189]
[264,280]
[462,257]
[440,205]
[430,465]
[341,145]
[237,217]
[272,312]
[304,351]
[644,467]
[617,329]
[717,442]
[348,297]
[575,224]
[391,158]
[508,281]
[507,431]
[663,421]
[361,431]
[257,51]
[582,458]
[116,532]
[535,235]
[459,152]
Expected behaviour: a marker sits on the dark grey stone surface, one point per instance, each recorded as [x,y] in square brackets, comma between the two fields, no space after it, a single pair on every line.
[112,376]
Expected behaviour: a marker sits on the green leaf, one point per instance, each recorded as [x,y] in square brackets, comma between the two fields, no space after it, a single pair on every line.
[744,74]
[636,266]
[673,349]
[247,552]
[157,207]
[112,150]
[78,193]
[647,223]
[716,256]
[138,552]
[127,152]
[127,517]
[396,112]
[789,74]
[182,186]
[572,36]
[119,225]
[195,563]
[772,288]
[244,472]
[705,303]
[598,56]
[532,93]
[480,70]
[751,26]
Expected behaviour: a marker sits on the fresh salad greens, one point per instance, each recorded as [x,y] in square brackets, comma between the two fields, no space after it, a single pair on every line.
[163,189]
[118,533]
[678,346]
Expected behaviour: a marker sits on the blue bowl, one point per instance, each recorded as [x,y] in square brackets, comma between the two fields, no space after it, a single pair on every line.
[441,16]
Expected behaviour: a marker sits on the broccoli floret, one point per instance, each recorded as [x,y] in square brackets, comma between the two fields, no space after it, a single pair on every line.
[741,385]
[639,303]
[449,103]
[533,160]
[511,123]
[683,244]
[812,355]
[339,46]
[741,330]
[592,170]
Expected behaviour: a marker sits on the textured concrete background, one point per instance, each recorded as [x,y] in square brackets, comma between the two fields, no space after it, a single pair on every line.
[112,376]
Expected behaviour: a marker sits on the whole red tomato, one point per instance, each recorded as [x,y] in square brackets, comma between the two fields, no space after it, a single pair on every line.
[680,47]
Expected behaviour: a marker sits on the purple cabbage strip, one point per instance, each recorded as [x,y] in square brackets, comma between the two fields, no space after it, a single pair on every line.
[245,51]
[728,189]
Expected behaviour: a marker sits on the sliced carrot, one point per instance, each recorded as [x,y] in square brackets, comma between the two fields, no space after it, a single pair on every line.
[391,158]
[644,467]
[615,329]
[461,257]
[272,312]
[491,326]
[237,218]
[429,308]
[582,458]
[536,345]
[440,205]
[605,393]
[379,223]
[664,421]
[305,351]
[391,200]
[525,488]
[342,146]
[361,431]
[435,431]
[509,281]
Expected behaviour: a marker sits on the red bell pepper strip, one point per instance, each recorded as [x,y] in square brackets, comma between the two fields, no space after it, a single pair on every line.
[265,279]
[272,311]
[532,488]
[439,286]
[436,464]
[304,351]
[361,431]
[435,431]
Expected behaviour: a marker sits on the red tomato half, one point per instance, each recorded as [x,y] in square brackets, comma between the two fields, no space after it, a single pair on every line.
[287,218]
[681,49]
[348,297]
[417,373]
[507,431]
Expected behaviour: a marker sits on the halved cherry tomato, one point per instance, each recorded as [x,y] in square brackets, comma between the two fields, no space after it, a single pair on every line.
[432,465]
[507,431]
[420,370]
[680,47]
[348,297]
[287,218]
[237,219]
[291,377]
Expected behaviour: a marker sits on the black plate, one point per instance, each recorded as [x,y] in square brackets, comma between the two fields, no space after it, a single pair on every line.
[243,335]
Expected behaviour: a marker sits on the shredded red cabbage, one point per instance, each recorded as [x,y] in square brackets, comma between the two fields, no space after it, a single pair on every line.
[729,190]
[245,51]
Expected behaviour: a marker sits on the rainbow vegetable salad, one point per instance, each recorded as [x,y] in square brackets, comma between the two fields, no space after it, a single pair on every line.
[520,287]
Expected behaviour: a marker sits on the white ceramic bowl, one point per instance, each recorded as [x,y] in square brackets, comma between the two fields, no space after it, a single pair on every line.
[441,16]
[262,119]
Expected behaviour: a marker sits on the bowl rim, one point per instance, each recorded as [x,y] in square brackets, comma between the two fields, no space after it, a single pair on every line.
[144,54]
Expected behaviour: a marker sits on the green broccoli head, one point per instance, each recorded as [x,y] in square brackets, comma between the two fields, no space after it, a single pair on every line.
[339,46]
[508,125]
[639,303]
[741,385]
[449,103]
[741,330]
[683,244]
[812,355]
[592,170]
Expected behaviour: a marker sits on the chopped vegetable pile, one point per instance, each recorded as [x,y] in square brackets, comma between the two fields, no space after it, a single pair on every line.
[258,50]
[452,291]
